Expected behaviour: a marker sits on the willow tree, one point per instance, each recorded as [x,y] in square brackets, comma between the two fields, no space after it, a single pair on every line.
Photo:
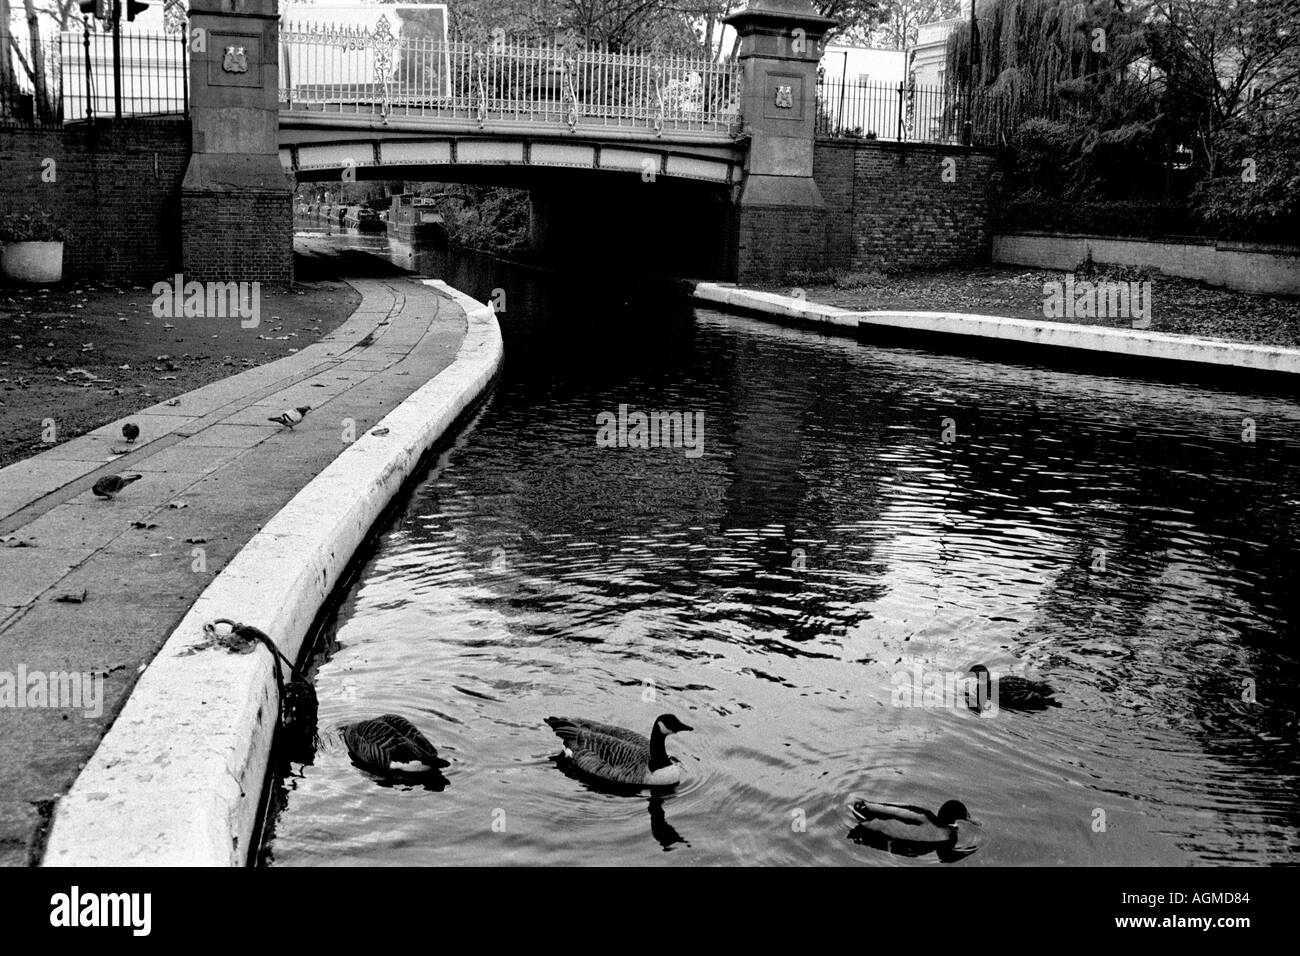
[1057,59]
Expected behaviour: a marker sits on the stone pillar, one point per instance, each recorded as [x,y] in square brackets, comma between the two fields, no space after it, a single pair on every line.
[780,217]
[236,199]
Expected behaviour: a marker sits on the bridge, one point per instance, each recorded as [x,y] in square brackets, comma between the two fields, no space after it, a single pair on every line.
[580,129]
[374,105]
[730,144]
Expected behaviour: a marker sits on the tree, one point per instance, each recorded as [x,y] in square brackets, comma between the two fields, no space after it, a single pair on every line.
[36,68]
[8,85]
[856,18]
[1227,62]
[904,17]
[1081,62]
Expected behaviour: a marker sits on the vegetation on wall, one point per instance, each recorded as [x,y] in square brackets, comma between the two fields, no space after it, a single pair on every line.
[1153,117]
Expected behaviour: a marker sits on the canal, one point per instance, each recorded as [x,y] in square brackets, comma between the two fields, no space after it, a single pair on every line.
[786,586]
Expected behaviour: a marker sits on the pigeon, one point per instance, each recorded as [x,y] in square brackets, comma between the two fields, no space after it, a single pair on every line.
[292,417]
[130,431]
[109,486]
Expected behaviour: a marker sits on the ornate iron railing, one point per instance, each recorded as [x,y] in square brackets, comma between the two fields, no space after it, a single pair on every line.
[376,73]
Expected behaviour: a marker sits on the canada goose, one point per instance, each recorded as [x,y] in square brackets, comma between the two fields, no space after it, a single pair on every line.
[391,743]
[1009,692]
[617,755]
[110,485]
[910,825]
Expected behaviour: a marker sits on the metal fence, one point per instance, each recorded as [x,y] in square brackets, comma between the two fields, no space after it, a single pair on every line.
[376,73]
[902,112]
[80,83]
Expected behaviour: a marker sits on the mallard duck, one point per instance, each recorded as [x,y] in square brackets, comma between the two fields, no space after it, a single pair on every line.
[1009,692]
[391,743]
[620,756]
[910,825]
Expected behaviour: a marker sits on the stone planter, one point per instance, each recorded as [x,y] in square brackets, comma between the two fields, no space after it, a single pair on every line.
[32,262]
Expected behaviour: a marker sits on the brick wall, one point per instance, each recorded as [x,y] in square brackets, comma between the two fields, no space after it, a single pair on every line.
[888,205]
[242,236]
[116,190]
[773,241]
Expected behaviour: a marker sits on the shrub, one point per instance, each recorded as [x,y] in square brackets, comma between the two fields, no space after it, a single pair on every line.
[34,225]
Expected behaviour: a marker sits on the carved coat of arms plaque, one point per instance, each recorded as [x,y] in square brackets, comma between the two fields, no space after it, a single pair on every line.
[235,60]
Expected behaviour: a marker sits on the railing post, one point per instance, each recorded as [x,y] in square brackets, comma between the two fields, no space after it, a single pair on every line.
[569,64]
[657,72]
[384,44]
[90,86]
[481,80]
[900,111]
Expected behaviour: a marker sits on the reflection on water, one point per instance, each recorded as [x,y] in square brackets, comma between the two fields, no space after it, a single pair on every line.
[1113,536]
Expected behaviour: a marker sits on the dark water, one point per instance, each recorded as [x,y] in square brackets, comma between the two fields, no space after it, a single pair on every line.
[777,590]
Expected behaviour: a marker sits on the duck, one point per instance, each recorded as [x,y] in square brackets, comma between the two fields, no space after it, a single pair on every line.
[914,826]
[391,743]
[620,756]
[1009,692]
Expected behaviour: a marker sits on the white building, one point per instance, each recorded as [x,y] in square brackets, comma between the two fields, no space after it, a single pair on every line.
[859,90]
[929,54]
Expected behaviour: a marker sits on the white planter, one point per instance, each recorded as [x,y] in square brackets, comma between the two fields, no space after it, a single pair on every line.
[32,262]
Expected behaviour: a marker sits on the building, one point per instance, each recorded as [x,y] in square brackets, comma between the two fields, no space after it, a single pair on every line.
[859,87]
[930,53]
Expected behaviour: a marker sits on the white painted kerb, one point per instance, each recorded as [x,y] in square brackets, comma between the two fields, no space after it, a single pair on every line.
[178,777]
[1092,338]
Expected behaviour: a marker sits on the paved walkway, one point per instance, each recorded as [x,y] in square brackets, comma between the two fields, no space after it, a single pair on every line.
[215,470]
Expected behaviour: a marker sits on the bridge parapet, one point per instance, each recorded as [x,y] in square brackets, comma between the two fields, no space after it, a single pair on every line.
[374,73]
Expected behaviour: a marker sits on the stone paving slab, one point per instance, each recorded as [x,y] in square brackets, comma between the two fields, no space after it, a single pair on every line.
[213,451]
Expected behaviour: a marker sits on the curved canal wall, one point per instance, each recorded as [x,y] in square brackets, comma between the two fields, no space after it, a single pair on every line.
[956,329]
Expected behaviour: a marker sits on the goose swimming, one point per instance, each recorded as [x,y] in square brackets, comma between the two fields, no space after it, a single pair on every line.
[616,755]
[391,743]
[1010,692]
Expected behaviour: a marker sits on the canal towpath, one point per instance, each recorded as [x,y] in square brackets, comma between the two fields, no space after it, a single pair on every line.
[92,588]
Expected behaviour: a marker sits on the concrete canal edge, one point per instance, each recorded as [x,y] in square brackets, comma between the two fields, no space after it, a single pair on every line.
[1130,343]
[179,777]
